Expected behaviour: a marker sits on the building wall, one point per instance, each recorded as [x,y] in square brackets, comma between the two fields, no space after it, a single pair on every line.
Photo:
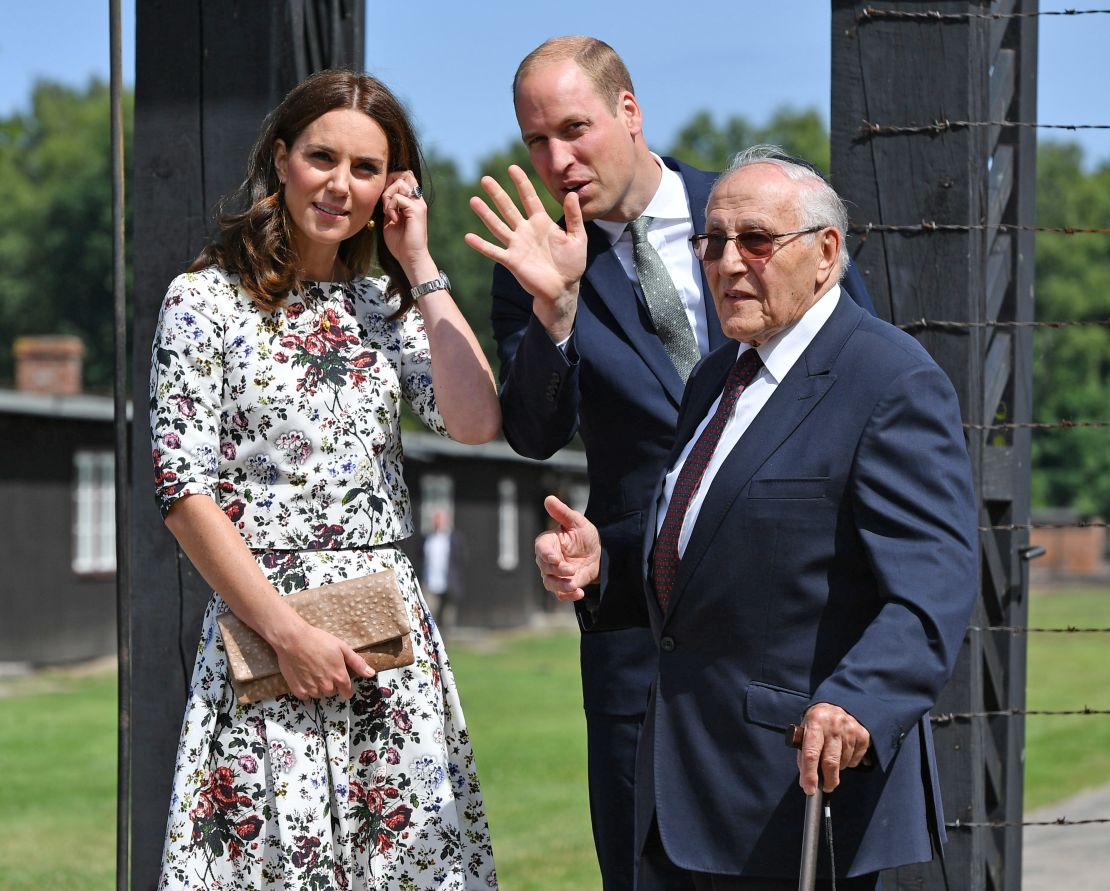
[496,596]
[50,614]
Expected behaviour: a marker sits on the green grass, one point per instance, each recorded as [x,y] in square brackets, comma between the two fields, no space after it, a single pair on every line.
[1065,754]
[522,702]
[58,785]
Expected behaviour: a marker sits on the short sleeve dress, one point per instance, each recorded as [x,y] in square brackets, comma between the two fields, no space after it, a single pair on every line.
[289,421]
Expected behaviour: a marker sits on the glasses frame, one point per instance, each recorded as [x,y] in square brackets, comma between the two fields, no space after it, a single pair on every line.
[704,238]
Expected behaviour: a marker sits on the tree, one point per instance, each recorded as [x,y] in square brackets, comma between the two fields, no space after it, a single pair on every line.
[1071,376]
[800,133]
[56,223]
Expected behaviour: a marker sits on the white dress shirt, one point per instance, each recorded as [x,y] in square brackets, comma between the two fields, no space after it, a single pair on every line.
[669,234]
[779,355]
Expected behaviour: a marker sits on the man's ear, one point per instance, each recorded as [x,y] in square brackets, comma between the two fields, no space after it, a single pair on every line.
[628,110]
[281,158]
[829,243]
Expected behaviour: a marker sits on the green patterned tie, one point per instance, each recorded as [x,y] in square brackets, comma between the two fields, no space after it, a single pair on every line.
[663,303]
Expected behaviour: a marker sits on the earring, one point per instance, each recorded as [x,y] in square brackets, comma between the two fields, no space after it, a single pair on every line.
[370,225]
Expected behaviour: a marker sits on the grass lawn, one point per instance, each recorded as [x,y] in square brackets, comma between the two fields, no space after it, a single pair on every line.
[58,784]
[1065,754]
[522,701]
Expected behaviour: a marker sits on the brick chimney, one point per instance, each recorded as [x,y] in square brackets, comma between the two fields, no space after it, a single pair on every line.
[49,364]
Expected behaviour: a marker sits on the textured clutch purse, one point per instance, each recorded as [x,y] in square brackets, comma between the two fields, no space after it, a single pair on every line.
[368,613]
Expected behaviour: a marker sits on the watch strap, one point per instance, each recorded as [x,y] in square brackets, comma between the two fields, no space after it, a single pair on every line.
[441,282]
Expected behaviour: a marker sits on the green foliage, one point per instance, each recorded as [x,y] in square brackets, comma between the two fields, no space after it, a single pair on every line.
[1071,371]
[56,223]
[449,218]
[800,133]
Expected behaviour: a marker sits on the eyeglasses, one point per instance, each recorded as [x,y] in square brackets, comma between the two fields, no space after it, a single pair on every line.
[753,244]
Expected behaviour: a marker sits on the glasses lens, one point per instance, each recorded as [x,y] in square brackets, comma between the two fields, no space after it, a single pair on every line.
[756,245]
[712,247]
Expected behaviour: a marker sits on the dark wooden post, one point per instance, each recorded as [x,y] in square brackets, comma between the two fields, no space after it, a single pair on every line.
[207,72]
[895,70]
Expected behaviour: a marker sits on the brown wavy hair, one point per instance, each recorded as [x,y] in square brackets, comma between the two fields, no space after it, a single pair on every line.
[254,238]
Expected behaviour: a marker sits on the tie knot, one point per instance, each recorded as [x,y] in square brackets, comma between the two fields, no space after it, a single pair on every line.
[639,227]
[746,368]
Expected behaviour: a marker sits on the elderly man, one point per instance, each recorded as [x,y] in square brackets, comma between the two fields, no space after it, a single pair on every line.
[605,354]
[810,557]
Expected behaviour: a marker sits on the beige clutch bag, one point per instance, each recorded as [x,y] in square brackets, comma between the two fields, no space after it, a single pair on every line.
[368,613]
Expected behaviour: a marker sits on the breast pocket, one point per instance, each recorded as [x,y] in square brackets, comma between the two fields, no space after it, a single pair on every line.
[795,489]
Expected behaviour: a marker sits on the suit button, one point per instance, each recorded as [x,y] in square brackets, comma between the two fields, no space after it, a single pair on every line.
[666,644]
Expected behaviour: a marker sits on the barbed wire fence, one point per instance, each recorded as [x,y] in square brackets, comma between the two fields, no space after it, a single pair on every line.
[873,130]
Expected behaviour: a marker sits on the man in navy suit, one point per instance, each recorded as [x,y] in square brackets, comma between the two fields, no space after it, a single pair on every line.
[581,354]
[811,557]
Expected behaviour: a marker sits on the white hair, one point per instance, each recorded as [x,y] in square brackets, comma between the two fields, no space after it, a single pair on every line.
[818,203]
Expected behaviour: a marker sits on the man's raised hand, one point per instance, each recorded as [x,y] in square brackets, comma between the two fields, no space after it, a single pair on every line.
[545,259]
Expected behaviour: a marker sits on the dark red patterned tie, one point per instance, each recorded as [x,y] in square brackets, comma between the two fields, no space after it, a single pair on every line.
[665,561]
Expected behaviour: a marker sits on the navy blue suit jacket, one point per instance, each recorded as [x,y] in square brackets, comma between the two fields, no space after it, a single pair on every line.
[834,559]
[619,390]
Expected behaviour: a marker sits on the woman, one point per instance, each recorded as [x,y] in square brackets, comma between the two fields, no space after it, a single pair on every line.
[278,371]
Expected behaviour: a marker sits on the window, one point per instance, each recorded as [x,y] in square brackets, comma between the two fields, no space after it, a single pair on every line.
[508,522]
[94,512]
[436,494]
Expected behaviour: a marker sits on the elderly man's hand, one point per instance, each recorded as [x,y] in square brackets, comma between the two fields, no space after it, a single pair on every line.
[834,740]
[569,558]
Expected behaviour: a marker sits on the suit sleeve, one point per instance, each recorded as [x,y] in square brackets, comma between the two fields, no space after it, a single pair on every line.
[915,513]
[539,382]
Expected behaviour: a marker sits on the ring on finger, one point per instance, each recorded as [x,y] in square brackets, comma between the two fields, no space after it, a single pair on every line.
[416,191]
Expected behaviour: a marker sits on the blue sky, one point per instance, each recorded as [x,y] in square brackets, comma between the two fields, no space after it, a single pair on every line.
[452,62]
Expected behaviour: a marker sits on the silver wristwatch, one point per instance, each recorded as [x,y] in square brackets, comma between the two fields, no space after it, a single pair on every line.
[436,284]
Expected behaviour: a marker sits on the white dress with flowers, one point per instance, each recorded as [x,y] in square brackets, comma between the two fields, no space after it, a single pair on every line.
[289,421]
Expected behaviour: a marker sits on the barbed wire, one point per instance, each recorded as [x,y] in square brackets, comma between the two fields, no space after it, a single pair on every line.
[865,229]
[950,323]
[872,13]
[1063,424]
[1019,527]
[1024,629]
[1007,824]
[870,128]
[949,717]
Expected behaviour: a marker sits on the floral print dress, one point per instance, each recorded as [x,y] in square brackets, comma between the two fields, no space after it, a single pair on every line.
[289,421]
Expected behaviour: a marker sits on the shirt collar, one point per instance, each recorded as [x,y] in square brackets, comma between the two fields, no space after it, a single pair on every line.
[668,203]
[784,349]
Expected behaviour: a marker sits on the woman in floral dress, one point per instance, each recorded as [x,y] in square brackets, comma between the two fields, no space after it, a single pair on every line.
[279,367]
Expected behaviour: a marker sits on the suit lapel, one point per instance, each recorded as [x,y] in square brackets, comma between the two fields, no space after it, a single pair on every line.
[804,387]
[607,279]
[702,391]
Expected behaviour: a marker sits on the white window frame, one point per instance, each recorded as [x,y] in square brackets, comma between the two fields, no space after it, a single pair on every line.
[508,525]
[94,512]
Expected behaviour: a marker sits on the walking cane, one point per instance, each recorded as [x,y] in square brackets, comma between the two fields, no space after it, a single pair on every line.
[811,828]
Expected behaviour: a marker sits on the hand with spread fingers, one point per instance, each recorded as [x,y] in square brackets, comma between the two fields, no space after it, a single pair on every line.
[568,558]
[545,258]
[833,740]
